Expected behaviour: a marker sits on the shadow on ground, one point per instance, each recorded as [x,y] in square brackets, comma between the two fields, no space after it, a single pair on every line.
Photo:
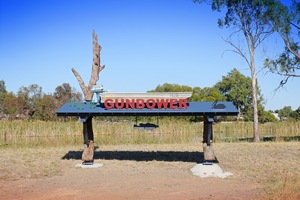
[168,156]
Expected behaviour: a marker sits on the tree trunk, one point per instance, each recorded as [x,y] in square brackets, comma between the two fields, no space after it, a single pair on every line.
[88,152]
[96,69]
[88,137]
[254,97]
[255,112]
[208,151]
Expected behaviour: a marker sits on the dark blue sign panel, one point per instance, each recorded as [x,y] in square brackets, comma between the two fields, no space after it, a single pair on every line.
[193,109]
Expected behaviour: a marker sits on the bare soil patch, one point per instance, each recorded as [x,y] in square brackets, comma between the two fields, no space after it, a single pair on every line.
[136,172]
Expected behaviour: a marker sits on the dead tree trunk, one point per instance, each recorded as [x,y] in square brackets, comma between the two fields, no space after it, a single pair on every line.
[88,152]
[209,155]
[96,69]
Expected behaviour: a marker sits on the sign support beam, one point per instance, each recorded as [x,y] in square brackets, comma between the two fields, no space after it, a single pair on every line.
[209,155]
[88,137]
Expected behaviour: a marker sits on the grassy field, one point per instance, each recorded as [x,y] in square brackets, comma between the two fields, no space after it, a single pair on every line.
[40,133]
[25,146]
[274,166]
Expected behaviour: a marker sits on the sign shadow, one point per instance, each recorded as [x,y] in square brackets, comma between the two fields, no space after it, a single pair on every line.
[167,156]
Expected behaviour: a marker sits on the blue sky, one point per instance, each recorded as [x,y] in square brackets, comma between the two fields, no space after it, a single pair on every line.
[144,43]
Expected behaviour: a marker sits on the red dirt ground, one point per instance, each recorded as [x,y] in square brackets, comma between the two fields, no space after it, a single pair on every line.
[128,179]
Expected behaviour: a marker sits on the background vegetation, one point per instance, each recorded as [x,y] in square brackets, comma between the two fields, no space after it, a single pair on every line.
[116,131]
[31,103]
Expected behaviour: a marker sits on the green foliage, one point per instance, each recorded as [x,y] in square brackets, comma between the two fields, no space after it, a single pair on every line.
[45,108]
[287,64]
[31,95]
[266,116]
[2,87]
[3,93]
[32,102]
[285,112]
[296,114]
[13,106]
[246,14]
[206,94]
[167,87]
[65,93]
[237,88]
[234,87]
[286,21]
[251,20]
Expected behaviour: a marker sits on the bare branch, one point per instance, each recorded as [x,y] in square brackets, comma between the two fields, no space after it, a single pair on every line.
[282,83]
[96,61]
[287,44]
[296,26]
[238,51]
[285,74]
[96,69]
[100,69]
[79,79]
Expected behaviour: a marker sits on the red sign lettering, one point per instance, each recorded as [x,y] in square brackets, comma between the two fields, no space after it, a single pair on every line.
[149,103]
[118,104]
[108,103]
[162,103]
[130,103]
[139,103]
[183,103]
[173,104]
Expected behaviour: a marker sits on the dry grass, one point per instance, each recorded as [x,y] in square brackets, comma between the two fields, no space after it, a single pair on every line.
[40,133]
[25,162]
[273,165]
[231,131]
[26,146]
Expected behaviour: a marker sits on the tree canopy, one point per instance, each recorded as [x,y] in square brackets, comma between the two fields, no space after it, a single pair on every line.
[251,20]
[31,102]
[167,87]
[286,22]
[285,112]
[64,93]
[232,87]
[236,87]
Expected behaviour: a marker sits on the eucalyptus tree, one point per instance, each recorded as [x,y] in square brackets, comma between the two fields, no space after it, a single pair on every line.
[236,87]
[45,108]
[2,87]
[251,20]
[13,107]
[31,94]
[286,22]
[206,94]
[285,112]
[198,94]
[168,87]
[65,93]
[3,93]
[296,114]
